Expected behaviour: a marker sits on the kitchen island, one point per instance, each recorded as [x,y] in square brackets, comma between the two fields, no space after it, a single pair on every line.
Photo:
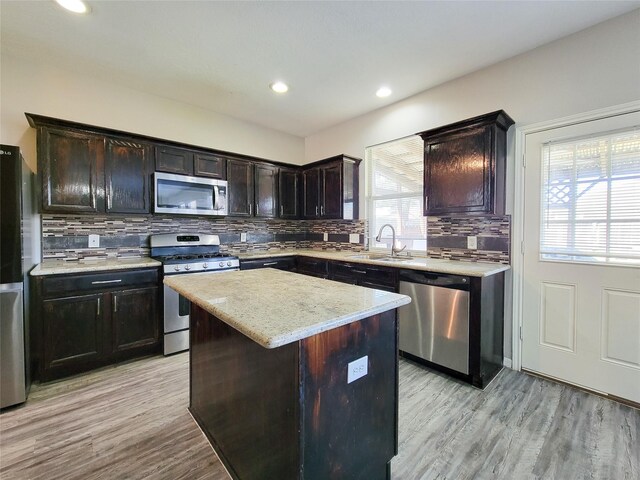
[294,376]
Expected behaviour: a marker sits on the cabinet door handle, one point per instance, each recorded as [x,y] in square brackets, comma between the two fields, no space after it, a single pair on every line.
[102,282]
[316,210]
[281,210]
[425,203]
[98,307]
[322,210]
[250,209]
[109,200]
[115,304]
[270,263]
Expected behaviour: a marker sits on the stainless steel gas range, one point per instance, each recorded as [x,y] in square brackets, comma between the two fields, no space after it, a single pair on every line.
[183,254]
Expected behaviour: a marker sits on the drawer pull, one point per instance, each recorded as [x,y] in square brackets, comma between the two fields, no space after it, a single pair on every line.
[102,282]
[359,271]
[270,263]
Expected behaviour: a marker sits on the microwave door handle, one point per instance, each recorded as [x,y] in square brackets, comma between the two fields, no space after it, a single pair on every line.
[216,201]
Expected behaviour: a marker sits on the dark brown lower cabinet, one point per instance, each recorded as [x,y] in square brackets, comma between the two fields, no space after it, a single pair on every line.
[135,318]
[73,329]
[288,412]
[85,321]
[315,267]
[280,263]
[371,276]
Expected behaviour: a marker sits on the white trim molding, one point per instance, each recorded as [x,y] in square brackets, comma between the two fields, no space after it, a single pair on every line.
[517,239]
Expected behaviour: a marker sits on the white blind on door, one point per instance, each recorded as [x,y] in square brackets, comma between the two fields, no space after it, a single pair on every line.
[394,193]
[590,208]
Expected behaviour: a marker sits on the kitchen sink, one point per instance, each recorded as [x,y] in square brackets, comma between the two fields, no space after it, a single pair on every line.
[369,256]
[379,256]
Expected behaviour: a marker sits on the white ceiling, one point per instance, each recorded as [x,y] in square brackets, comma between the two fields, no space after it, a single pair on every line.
[223,55]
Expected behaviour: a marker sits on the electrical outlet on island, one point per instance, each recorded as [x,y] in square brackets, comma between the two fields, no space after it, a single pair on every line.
[357,369]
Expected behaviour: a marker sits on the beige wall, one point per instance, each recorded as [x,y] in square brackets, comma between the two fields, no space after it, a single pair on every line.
[47,90]
[595,68]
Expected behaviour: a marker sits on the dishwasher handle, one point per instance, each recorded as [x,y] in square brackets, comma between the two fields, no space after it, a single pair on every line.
[457,282]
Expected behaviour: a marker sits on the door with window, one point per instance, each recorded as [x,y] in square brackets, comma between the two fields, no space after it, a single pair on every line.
[581,297]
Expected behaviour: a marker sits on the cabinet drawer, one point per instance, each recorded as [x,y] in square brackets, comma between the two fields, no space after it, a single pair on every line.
[281,263]
[364,273]
[55,285]
[312,266]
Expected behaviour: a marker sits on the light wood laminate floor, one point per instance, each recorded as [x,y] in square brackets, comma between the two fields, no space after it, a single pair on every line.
[131,422]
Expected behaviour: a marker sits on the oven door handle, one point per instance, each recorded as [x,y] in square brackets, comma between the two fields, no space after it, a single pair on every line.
[103,282]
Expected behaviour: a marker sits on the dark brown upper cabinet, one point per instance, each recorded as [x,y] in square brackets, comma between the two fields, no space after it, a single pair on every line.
[190,162]
[330,188]
[311,193]
[207,165]
[174,160]
[265,190]
[253,189]
[88,169]
[464,166]
[127,174]
[289,193]
[83,172]
[71,171]
[240,196]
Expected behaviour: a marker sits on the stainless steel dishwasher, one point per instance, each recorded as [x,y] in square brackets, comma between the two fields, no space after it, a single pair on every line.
[435,325]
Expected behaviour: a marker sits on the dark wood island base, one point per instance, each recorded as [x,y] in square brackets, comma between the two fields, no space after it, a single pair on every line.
[288,412]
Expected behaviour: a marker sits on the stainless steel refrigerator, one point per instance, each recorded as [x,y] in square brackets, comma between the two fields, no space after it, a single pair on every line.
[17,222]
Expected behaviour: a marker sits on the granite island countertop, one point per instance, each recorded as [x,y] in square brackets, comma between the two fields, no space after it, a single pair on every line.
[59,267]
[436,265]
[274,307]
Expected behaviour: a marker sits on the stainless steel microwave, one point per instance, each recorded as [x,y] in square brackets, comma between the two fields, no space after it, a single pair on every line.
[187,195]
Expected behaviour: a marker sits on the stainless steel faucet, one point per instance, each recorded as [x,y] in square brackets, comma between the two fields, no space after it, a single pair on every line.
[394,250]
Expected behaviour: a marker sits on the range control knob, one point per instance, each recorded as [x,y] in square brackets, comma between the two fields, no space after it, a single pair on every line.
[177,268]
[205,265]
[187,267]
[228,264]
[221,264]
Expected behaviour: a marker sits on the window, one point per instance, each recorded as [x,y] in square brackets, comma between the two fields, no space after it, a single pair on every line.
[394,193]
[590,208]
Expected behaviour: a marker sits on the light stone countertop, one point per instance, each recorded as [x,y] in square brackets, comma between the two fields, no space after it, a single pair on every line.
[58,267]
[436,265]
[274,307]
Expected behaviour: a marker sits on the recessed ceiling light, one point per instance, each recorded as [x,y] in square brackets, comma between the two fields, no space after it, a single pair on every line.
[279,87]
[75,6]
[383,92]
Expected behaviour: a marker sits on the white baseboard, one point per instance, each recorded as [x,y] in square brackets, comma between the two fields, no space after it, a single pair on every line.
[506,362]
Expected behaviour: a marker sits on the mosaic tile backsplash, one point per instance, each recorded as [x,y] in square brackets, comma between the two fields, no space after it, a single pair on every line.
[64,237]
[447,238]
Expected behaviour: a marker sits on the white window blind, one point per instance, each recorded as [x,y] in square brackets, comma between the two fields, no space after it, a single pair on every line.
[394,193]
[590,208]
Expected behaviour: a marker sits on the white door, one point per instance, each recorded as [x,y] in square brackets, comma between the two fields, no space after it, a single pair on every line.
[581,314]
